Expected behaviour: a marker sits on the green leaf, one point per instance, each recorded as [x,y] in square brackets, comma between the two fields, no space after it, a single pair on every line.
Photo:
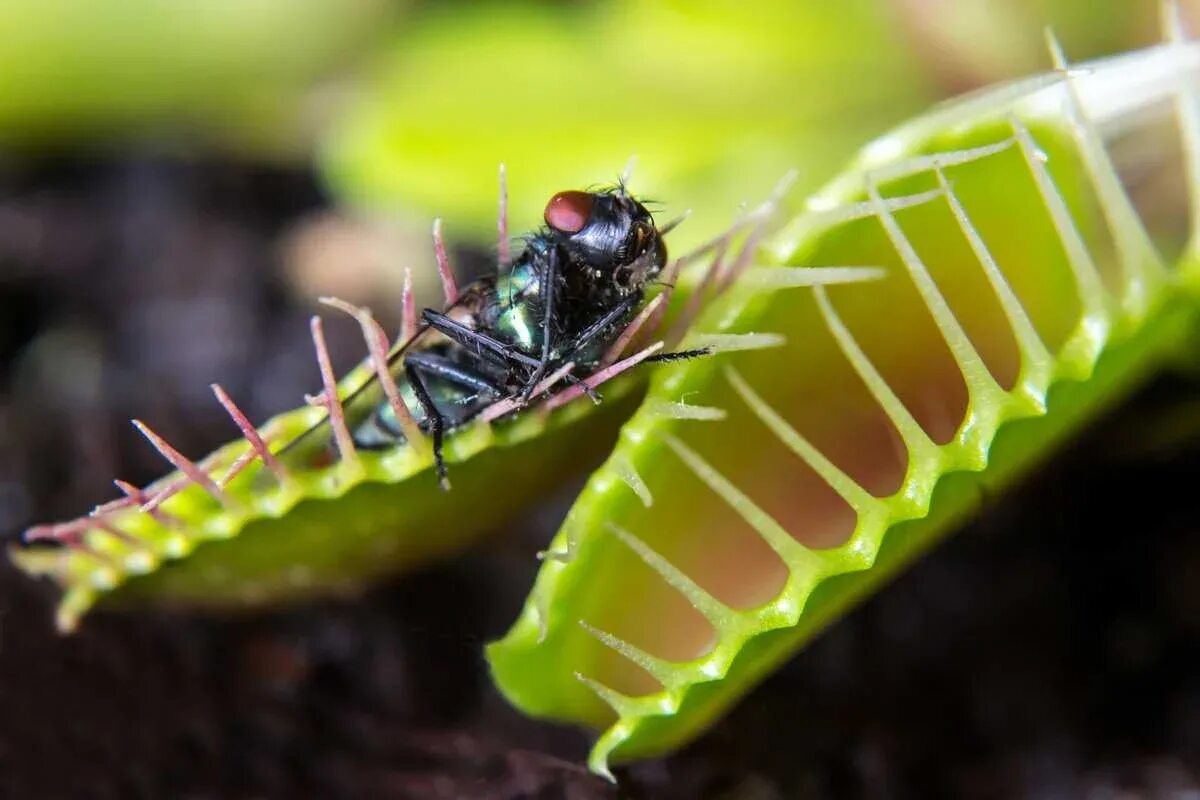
[714,102]
[227,70]
[1023,294]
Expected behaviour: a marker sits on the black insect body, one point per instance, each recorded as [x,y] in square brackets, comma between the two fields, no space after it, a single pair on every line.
[566,298]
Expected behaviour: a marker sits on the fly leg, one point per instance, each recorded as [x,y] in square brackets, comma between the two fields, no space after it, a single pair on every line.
[421,365]
[442,367]
[678,355]
[437,423]
[480,344]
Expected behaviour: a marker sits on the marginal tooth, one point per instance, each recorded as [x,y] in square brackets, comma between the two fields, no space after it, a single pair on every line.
[408,309]
[330,398]
[617,701]
[502,252]
[376,342]
[733,342]
[1083,266]
[821,216]
[1141,266]
[846,487]
[236,467]
[631,330]
[663,671]
[628,473]
[1029,343]
[774,278]
[981,386]
[1188,106]
[185,465]
[670,410]
[948,158]
[721,616]
[756,234]
[598,378]
[445,273]
[921,448]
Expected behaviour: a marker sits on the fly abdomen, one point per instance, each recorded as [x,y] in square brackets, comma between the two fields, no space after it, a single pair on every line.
[458,393]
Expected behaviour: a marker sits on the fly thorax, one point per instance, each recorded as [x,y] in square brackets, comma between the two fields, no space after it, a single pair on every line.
[518,309]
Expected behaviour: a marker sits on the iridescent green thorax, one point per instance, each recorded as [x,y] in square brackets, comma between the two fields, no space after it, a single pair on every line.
[518,296]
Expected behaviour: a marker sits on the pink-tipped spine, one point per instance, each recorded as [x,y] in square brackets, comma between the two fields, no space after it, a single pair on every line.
[329,394]
[62,532]
[762,218]
[236,467]
[449,286]
[115,532]
[696,301]
[509,404]
[670,276]
[376,345]
[597,378]
[71,537]
[184,465]
[121,502]
[250,433]
[502,253]
[408,309]
[139,497]
[377,342]
[631,330]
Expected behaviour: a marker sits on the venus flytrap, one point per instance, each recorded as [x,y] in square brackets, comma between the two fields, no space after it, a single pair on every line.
[986,288]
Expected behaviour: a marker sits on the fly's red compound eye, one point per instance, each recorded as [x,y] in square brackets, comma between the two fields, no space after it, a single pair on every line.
[568,212]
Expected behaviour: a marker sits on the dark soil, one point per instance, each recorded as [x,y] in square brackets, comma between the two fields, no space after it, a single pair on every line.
[1049,650]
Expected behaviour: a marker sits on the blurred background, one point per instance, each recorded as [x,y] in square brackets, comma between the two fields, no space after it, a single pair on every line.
[179,182]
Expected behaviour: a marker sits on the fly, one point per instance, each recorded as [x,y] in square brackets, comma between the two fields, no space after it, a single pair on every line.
[564,300]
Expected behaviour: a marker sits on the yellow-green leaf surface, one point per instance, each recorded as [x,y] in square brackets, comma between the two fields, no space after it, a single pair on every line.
[715,102]
[752,500]
[234,71]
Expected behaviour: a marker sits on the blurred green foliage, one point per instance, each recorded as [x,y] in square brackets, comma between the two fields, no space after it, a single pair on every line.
[717,99]
[969,43]
[237,72]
